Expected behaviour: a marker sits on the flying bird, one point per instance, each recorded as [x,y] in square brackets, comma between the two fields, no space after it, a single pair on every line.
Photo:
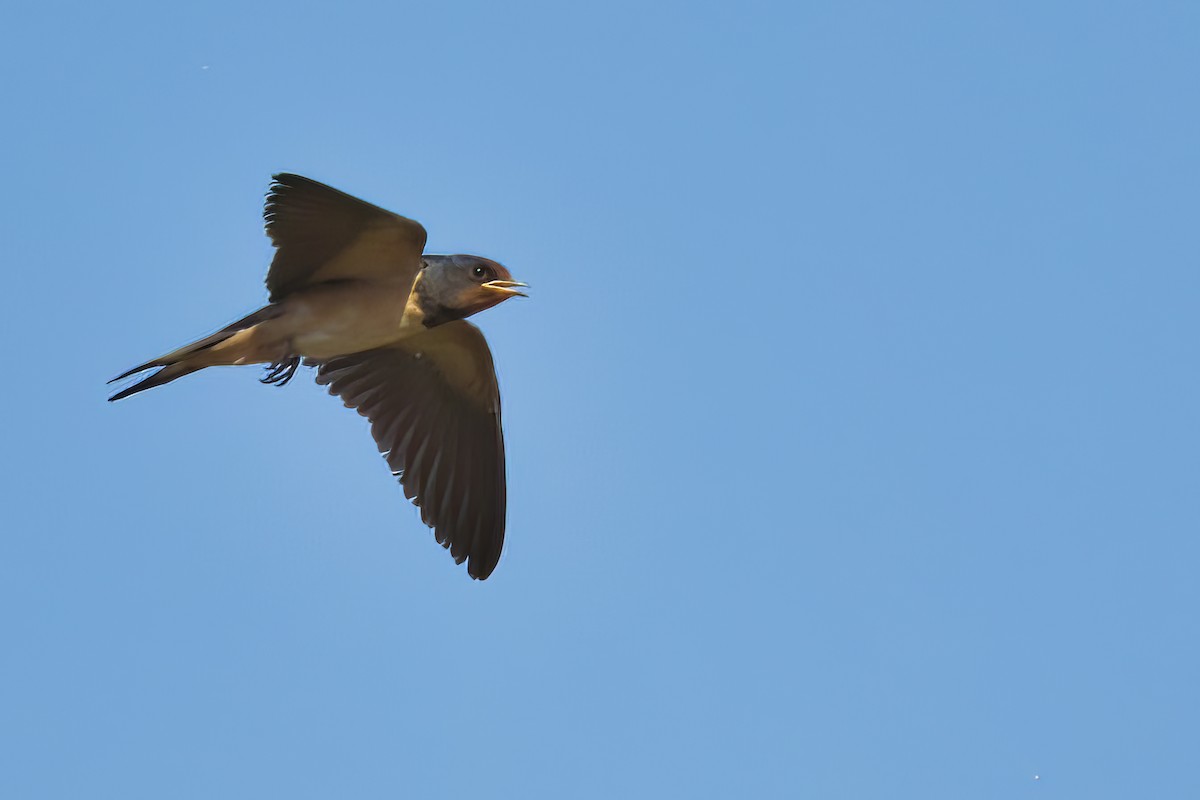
[352,293]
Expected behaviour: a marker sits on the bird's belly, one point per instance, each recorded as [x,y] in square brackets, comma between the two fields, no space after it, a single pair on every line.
[335,321]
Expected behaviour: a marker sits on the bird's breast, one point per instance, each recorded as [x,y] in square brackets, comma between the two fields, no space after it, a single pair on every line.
[337,319]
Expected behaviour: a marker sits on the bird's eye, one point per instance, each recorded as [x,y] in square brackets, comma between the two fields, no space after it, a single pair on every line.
[480,272]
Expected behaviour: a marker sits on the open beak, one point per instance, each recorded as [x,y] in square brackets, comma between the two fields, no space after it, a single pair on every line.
[507,288]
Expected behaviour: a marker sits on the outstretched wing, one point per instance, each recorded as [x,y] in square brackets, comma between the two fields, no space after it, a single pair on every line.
[321,234]
[434,408]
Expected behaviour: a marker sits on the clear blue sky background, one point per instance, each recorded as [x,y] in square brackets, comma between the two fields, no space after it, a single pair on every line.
[852,424]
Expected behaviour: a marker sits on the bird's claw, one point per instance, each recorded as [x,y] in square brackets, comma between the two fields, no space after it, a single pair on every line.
[282,371]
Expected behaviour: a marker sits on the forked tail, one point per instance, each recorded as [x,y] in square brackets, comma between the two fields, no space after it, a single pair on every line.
[187,359]
[165,375]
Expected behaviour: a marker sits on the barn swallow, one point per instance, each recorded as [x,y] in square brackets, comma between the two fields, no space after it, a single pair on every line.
[352,293]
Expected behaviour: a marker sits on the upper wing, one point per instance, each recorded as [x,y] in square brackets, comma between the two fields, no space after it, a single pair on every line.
[434,408]
[321,234]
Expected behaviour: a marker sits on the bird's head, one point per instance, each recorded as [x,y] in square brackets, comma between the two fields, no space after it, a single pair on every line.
[455,287]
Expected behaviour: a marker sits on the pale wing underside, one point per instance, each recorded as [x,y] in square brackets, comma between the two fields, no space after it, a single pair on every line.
[434,408]
[321,234]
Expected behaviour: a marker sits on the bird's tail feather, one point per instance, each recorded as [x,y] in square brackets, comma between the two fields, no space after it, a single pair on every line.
[165,375]
[176,363]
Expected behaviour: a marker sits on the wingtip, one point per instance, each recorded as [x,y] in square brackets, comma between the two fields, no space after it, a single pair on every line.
[280,180]
[288,179]
[480,573]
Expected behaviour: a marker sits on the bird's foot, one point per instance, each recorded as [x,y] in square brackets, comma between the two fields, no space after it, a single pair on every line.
[282,371]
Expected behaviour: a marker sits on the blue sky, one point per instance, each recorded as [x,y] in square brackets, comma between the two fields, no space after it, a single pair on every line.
[852,422]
